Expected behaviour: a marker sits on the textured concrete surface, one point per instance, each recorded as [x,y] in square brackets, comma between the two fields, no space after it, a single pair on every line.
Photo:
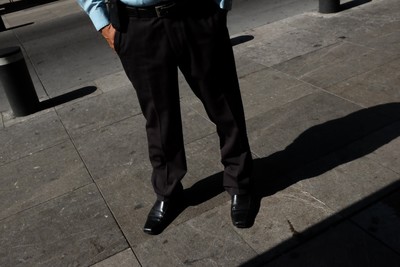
[322,107]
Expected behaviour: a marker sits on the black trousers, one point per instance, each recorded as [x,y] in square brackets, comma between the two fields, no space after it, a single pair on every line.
[197,41]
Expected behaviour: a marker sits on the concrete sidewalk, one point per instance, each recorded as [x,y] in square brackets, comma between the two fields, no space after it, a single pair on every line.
[321,96]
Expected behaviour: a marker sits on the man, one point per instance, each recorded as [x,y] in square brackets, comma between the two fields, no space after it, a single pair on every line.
[153,39]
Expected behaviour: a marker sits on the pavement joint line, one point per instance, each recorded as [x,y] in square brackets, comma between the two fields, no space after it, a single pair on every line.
[117,222]
[256,71]
[98,189]
[335,95]
[329,92]
[103,126]
[28,57]
[383,166]
[327,225]
[34,152]
[115,254]
[372,236]
[330,222]
[44,202]
[2,120]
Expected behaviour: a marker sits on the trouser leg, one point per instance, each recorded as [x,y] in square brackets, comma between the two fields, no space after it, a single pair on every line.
[148,60]
[199,43]
[207,62]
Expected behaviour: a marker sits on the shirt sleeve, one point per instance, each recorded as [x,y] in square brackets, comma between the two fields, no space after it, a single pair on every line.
[225,4]
[97,11]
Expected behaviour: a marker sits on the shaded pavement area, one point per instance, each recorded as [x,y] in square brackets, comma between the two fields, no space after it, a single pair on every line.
[321,96]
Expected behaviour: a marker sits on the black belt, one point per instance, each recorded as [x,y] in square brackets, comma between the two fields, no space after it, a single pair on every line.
[159,10]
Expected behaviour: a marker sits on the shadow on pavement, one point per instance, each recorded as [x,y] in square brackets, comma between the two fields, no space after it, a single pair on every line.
[334,242]
[284,168]
[307,157]
[352,4]
[241,39]
[65,98]
[204,189]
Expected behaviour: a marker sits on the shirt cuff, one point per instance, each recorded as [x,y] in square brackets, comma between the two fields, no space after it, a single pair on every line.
[99,17]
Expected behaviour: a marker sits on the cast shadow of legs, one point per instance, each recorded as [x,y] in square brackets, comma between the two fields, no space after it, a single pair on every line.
[323,147]
[204,190]
[65,98]
[284,168]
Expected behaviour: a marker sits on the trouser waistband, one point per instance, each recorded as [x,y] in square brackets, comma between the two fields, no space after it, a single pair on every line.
[163,9]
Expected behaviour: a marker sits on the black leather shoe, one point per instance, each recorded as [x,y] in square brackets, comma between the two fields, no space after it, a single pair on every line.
[243,210]
[162,214]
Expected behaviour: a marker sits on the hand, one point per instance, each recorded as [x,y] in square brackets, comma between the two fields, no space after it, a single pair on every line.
[108,33]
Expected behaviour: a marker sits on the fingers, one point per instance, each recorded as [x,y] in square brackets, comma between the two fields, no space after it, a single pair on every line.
[108,33]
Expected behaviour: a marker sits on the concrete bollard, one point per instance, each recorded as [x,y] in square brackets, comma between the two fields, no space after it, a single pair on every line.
[17,83]
[329,6]
[2,26]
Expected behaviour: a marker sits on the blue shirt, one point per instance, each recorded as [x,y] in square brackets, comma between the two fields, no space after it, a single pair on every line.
[97,10]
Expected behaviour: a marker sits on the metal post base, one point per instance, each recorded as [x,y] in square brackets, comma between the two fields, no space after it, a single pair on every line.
[329,6]
[17,83]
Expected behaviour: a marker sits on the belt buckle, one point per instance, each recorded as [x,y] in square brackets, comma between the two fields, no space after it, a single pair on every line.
[162,10]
